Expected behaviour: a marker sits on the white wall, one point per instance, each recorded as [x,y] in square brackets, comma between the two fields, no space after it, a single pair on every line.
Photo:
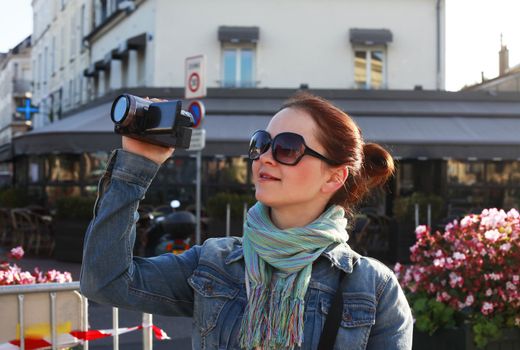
[301,41]
[140,21]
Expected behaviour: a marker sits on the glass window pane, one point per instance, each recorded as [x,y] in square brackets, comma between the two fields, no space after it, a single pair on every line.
[465,173]
[498,173]
[246,68]
[376,68]
[95,164]
[360,69]
[177,171]
[230,66]
[64,168]
[515,173]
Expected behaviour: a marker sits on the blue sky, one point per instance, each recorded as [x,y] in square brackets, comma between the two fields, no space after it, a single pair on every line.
[473,29]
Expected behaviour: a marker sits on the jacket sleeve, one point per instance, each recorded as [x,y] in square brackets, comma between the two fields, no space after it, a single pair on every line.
[393,329]
[109,273]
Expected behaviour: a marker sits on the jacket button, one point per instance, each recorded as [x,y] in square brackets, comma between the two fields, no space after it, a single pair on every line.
[209,287]
[348,317]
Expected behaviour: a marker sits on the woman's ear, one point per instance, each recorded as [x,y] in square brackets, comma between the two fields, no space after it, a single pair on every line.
[337,179]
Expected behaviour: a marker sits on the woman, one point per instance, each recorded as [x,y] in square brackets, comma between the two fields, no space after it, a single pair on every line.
[273,288]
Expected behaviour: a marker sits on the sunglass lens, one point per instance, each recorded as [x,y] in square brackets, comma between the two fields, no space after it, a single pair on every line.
[288,148]
[259,144]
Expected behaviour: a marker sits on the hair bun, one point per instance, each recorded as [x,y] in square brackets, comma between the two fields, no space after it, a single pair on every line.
[378,164]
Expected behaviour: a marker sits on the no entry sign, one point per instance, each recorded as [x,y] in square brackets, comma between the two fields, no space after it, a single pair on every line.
[195,84]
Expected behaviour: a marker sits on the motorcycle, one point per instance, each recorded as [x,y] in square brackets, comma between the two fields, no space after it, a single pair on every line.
[170,231]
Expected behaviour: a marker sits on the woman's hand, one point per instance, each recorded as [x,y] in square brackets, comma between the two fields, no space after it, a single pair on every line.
[158,154]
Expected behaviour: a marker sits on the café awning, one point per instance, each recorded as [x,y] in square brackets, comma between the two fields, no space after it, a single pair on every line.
[492,133]
[90,130]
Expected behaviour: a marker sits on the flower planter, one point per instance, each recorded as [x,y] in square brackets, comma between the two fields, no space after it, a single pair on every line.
[462,339]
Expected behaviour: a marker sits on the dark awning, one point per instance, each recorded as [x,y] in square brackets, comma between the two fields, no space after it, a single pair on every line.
[238,34]
[434,137]
[90,130]
[360,36]
[6,152]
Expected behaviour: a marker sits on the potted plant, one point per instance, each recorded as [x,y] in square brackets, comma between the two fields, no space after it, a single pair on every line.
[466,279]
[72,217]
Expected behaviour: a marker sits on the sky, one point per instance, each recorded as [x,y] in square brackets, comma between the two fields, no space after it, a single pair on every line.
[473,30]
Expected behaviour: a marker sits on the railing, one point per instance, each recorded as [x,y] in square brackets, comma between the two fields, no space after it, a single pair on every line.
[52,289]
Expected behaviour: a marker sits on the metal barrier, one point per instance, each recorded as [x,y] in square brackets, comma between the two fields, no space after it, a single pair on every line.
[52,289]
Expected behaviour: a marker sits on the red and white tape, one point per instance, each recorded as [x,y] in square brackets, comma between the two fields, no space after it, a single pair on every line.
[75,337]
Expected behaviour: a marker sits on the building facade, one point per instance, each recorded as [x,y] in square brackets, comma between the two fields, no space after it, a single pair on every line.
[15,94]
[83,49]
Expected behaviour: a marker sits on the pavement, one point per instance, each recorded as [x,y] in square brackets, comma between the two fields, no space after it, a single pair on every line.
[100,316]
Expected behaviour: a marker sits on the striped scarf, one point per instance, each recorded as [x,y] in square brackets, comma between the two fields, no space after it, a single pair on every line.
[273,318]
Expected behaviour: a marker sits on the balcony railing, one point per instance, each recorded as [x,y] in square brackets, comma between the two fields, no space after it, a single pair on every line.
[21,86]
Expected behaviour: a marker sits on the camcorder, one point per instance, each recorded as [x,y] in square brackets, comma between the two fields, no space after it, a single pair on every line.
[162,123]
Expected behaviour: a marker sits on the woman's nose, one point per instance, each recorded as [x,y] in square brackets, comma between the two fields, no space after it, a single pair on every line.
[267,157]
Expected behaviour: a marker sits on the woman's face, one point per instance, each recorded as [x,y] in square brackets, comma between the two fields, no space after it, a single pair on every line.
[278,185]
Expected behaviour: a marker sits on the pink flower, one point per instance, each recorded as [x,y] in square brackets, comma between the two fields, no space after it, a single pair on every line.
[487,308]
[16,253]
[493,217]
[469,300]
[466,221]
[505,247]
[513,214]
[459,256]
[492,235]
[456,280]
[439,262]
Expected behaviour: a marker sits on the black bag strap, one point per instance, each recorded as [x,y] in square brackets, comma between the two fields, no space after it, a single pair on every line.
[330,329]
[333,320]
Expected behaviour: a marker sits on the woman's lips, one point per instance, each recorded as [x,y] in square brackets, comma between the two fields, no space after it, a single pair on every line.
[267,177]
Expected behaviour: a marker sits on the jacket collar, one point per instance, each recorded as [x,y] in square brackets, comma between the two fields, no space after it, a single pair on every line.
[340,255]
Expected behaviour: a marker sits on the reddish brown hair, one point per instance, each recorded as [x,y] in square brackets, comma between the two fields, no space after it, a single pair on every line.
[369,164]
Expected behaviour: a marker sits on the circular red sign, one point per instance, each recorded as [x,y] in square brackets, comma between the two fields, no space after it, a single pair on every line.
[194,82]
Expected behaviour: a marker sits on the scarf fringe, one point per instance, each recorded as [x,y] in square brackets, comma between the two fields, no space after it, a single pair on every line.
[254,321]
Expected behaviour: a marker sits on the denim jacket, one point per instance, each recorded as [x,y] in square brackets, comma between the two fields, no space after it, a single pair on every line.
[207,281]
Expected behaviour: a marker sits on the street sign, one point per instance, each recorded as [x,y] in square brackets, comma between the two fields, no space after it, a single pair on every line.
[198,140]
[198,111]
[195,80]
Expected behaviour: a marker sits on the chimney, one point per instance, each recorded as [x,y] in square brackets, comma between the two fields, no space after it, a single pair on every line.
[503,59]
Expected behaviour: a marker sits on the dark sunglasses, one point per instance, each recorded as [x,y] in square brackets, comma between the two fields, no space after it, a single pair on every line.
[288,148]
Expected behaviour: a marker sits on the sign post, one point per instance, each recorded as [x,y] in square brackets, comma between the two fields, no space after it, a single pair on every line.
[195,87]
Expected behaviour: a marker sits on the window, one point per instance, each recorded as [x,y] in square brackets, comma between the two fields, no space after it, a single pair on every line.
[238,66]
[103,8]
[53,56]
[82,28]
[62,49]
[45,64]
[72,37]
[40,71]
[369,68]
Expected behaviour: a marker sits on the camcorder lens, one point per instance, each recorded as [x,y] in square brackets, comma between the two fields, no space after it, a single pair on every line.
[120,109]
